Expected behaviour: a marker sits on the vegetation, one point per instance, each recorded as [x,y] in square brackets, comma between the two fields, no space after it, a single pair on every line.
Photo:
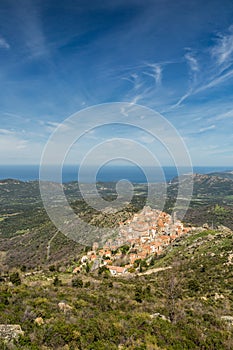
[177,308]
[15,278]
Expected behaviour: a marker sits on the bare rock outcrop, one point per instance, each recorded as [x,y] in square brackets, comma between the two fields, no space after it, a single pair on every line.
[9,332]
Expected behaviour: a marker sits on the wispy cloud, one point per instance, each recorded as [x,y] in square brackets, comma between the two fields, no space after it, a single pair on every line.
[146,80]
[217,71]
[16,151]
[16,116]
[216,81]
[31,29]
[51,126]
[223,50]
[192,61]
[155,71]
[6,132]
[193,71]
[135,80]
[182,98]
[208,128]
[4,44]
[137,98]
[225,115]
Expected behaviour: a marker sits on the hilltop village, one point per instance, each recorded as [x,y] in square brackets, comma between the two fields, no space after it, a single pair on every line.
[140,240]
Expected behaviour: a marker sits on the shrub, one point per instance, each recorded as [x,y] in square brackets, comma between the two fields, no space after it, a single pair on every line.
[77,282]
[15,278]
[139,294]
[87,284]
[52,268]
[57,282]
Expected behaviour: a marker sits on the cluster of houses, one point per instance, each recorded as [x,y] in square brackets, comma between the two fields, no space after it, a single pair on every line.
[144,236]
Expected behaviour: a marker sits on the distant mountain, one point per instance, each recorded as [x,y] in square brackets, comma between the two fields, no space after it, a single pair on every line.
[224,174]
[10,182]
[206,184]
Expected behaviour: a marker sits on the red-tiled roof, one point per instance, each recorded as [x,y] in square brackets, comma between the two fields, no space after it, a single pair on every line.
[118,269]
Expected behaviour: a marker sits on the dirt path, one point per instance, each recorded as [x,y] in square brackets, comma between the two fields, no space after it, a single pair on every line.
[49,245]
[158,269]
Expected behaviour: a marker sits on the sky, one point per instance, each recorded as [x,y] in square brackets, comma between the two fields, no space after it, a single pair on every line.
[60,57]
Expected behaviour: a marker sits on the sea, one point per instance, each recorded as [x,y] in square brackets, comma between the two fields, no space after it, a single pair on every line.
[114,173]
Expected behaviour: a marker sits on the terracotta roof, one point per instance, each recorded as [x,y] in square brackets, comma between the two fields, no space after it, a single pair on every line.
[93,257]
[156,244]
[108,261]
[160,223]
[164,238]
[173,237]
[77,269]
[118,269]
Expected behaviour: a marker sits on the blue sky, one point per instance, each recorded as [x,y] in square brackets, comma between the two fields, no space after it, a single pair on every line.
[58,57]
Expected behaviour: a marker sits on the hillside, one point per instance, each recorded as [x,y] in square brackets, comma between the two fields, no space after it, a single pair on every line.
[223,174]
[188,306]
[180,299]
[24,223]
[206,185]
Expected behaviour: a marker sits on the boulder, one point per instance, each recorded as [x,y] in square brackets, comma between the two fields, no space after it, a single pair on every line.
[228,319]
[39,321]
[64,307]
[10,332]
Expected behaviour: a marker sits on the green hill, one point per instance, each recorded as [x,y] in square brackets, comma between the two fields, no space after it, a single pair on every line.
[25,229]
[183,300]
[189,306]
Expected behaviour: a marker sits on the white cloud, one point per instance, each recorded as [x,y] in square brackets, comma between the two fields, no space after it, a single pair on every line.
[216,81]
[135,80]
[155,72]
[211,127]
[53,124]
[223,50]
[192,61]
[158,74]
[136,98]
[146,139]
[17,150]
[225,115]
[22,144]
[183,98]
[4,44]
[194,69]
[220,59]
[6,132]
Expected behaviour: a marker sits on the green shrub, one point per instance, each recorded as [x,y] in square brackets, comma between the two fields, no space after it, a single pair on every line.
[15,278]
[57,282]
[77,282]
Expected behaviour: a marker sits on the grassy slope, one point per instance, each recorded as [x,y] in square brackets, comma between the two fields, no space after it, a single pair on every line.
[115,313]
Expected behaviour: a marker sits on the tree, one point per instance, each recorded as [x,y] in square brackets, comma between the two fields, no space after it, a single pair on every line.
[57,282]
[77,282]
[15,278]
[139,294]
[125,248]
[87,268]
[103,269]
[172,286]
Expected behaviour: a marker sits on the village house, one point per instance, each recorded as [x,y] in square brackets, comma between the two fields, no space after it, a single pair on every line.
[148,233]
[107,262]
[117,270]
[156,247]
